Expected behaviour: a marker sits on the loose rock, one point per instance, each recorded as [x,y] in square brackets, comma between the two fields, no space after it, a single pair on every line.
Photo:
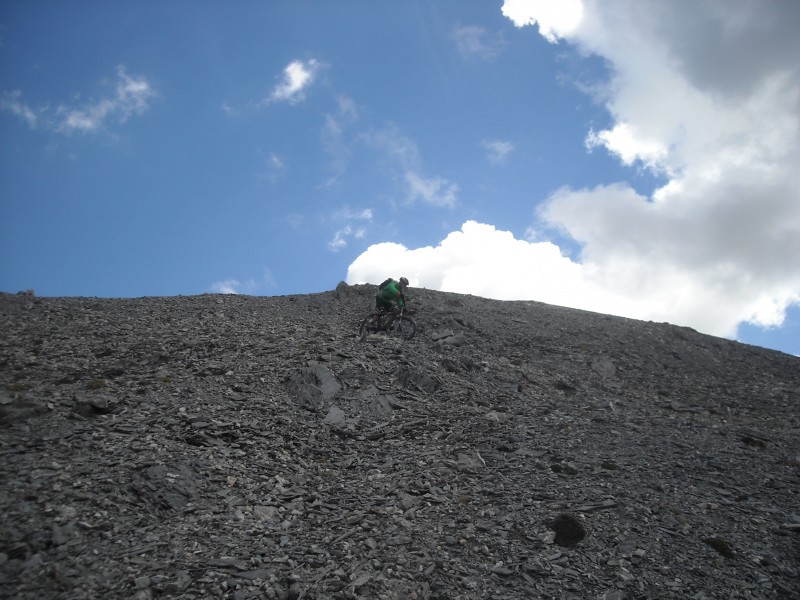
[245,447]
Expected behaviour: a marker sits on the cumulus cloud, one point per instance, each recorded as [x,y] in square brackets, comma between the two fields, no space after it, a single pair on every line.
[297,77]
[555,19]
[478,259]
[717,244]
[482,260]
[710,103]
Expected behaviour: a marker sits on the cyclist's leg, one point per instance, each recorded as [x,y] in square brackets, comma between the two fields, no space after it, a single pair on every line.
[384,309]
[382,305]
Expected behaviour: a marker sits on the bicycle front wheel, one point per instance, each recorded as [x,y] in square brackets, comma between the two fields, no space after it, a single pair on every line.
[403,327]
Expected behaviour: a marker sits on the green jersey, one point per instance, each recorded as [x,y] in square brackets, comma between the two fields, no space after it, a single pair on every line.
[391,292]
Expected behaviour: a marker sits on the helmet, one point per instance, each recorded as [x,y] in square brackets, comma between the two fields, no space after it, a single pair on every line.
[403,281]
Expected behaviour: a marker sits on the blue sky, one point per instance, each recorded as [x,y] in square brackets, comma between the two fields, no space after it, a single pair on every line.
[630,157]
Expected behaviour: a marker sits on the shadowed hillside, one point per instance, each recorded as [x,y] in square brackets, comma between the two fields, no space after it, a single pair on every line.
[247,447]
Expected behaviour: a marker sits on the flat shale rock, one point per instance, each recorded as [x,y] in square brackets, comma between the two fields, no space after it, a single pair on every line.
[245,447]
[170,487]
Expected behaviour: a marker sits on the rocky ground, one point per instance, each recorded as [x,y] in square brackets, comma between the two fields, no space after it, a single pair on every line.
[248,447]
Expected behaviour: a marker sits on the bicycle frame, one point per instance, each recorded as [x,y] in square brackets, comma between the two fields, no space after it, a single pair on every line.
[391,321]
[385,319]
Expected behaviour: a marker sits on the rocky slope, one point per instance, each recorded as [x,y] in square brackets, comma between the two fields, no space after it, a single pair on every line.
[247,447]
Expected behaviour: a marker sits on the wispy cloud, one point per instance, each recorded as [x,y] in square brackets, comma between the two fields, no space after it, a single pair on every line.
[334,138]
[297,77]
[339,240]
[348,214]
[11,102]
[252,286]
[132,97]
[355,226]
[435,190]
[402,156]
[472,40]
[227,286]
[274,168]
[497,150]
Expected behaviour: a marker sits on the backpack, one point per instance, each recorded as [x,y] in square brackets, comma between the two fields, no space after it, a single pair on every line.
[385,283]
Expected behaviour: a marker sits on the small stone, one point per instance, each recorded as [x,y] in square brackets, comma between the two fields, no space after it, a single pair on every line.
[721,546]
[502,570]
[568,529]
[64,533]
[495,417]
[440,335]
[471,462]
[335,416]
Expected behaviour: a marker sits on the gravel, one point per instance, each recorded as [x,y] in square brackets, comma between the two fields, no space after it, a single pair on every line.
[252,447]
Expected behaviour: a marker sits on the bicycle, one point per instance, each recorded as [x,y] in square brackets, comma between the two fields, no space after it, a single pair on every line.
[394,323]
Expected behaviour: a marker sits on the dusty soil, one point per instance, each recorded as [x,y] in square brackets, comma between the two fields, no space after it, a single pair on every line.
[253,447]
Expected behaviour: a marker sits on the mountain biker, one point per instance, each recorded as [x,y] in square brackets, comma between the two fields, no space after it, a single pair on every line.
[391,291]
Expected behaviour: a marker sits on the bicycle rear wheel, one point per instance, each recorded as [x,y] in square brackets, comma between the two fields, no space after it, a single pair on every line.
[402,327]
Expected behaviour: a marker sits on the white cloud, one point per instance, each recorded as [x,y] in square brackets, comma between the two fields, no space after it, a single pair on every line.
[297,77]
[497,150]
[132,97]
[555,19]
[351,228]
[484,261]
[623,141]
[339,240]
[228,286]
[478,259]
[712,103]
[435,190]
